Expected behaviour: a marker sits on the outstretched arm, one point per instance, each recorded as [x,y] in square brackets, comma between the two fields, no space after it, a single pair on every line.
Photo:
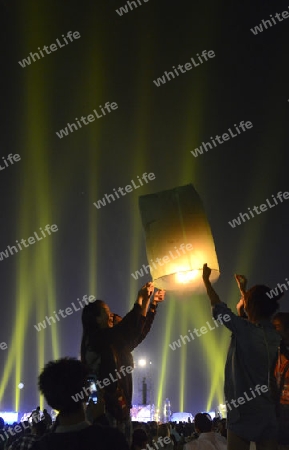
[143,298]
[242,284]
[212,294]
[158,297]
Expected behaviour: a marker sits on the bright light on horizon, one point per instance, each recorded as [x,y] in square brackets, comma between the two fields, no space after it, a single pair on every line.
[142,362]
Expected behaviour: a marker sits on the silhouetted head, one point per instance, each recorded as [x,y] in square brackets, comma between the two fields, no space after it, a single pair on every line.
[62,380]
[96,315]
[259,305]
[203,424]
[139,439]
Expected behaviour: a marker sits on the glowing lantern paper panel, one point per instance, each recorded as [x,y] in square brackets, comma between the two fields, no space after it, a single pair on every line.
[178,239]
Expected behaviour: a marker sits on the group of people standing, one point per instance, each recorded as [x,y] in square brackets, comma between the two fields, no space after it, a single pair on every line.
[256,371]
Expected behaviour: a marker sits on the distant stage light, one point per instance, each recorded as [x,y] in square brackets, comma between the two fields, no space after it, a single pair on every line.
[21,385]
[142,362]
[9,417]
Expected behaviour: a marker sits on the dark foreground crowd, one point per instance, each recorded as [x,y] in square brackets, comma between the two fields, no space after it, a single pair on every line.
[36,433]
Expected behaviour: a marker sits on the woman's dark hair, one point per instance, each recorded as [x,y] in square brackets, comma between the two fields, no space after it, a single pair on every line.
[259,305]
[89,324]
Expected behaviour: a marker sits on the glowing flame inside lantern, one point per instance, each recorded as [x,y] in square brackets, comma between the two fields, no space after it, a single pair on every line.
[186,277]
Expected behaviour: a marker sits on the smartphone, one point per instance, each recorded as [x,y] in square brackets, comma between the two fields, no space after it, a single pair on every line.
[93,389]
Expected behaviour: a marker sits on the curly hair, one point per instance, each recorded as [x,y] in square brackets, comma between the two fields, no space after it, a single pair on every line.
[60,380]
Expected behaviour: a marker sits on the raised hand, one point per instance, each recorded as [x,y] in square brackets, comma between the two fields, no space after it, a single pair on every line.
[159,296]
[206,272]
[241,282]
[144,295]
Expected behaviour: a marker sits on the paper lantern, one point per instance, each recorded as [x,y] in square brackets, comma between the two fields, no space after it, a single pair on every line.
[178,239]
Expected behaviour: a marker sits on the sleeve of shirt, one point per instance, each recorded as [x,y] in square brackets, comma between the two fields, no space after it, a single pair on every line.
[225,316]
[147,324]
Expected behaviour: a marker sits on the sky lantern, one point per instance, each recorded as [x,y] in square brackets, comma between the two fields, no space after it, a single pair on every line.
[178,239]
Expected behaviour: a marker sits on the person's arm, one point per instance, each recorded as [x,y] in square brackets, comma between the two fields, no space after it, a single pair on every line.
[220,310]
[242,285]
[130,327]
[212,294]
[143,298]
[158,297]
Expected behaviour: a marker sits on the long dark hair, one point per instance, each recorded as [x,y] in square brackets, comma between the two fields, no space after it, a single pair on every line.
[89,324]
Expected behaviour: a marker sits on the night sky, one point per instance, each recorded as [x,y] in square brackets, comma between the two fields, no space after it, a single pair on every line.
[153,130]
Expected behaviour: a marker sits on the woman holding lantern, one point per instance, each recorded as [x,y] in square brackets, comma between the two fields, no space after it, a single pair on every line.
[106,351]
